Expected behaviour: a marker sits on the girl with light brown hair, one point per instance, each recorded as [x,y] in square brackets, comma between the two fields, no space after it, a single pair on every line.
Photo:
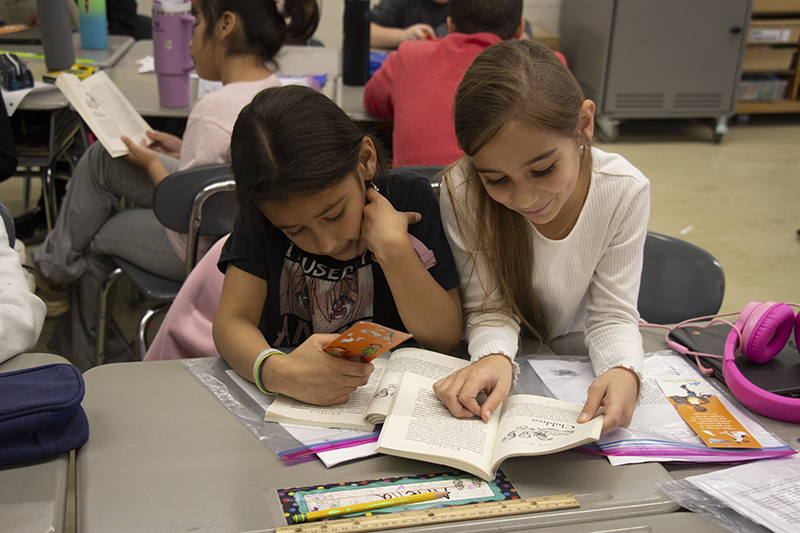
[547,232]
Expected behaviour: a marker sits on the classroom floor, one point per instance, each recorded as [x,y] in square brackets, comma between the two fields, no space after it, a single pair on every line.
[737,199]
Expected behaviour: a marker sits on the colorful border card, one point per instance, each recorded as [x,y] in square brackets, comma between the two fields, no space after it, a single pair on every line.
[364,341]
[461,489]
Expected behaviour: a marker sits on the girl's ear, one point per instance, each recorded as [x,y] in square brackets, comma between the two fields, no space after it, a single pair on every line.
[367,160]
[587,120]
[226,26]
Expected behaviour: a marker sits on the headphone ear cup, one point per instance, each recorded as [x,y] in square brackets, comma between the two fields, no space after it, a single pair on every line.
[766,331]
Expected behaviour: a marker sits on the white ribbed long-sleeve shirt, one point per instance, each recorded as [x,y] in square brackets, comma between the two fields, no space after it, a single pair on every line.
[588,281]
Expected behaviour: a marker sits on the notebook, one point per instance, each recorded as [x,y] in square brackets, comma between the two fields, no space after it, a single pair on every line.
[779,376]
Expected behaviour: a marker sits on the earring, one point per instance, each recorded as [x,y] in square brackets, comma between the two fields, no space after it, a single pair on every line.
[581,148]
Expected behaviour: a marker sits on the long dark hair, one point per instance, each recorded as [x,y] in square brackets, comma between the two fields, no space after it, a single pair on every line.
[292,141]
[265,29]
[519,82]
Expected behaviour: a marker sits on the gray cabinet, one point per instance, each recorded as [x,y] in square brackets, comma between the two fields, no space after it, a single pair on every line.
[656,58]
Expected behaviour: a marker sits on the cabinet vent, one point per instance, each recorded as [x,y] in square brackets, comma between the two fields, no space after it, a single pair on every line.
[639,101]
[697,100]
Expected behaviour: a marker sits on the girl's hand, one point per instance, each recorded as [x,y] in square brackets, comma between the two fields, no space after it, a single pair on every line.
[616,390]
[459,390]
[146,159]
[140,155]
[166,144]
[383,228]
[310,375]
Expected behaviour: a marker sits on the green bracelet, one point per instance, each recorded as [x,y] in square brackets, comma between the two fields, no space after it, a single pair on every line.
[257,368]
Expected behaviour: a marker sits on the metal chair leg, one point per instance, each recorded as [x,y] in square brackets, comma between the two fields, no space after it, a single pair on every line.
[102,314]
[142,333]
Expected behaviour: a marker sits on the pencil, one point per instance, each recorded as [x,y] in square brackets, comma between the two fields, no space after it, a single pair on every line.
[361,507]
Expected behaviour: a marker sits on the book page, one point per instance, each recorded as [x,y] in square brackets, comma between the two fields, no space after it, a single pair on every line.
[421,427]
[105,109]
[349,415]
[409,360]
[534,425]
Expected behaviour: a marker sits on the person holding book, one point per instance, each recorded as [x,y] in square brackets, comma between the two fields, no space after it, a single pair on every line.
[234,42]
[547,231]
[326,236]
[415,85]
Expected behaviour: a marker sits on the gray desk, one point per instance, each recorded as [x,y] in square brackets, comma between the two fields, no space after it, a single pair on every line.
[661,523]
[142,89]
[166,455]
[33,496]
[351,99]
[118,45]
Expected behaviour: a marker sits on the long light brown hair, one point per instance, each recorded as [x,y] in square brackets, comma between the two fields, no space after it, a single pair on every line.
[524,83]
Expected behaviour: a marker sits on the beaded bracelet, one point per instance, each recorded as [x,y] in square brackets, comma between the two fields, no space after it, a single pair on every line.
[257,368]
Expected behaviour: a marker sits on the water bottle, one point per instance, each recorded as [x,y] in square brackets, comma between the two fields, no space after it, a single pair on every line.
[355,50]
[59,51]
[94,24]
[172,32]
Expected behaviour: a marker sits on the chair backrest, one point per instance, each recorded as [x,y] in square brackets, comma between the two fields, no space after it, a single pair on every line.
[9,222]
[679,281]
[198,201]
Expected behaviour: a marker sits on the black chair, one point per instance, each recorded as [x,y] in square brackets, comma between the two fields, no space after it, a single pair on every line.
[679,281]
[195,202]
[8,220]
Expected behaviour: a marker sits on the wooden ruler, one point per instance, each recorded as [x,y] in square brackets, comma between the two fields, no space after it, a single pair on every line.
[436,515]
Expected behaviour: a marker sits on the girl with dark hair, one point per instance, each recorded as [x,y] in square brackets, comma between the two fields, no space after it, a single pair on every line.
[326,236]
[234,42]
[547,232]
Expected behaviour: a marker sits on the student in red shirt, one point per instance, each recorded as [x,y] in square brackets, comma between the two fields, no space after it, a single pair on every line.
[416,83]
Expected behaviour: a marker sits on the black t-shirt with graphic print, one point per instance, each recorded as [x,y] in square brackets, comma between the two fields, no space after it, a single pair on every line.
[309,293]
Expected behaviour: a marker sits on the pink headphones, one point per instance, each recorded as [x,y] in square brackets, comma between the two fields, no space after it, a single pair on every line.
[765,328]
[760,333]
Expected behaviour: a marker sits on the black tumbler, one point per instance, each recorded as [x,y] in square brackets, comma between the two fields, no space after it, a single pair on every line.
[59,51]
[355,50]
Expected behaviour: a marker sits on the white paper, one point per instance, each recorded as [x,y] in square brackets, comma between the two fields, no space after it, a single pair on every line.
[654,418]
[767,492]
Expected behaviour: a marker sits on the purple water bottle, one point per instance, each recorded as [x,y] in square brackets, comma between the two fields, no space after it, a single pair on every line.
[172,32]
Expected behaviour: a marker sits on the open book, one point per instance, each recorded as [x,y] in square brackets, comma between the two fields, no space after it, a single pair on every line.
[105,110]
[420,427]
[368,405]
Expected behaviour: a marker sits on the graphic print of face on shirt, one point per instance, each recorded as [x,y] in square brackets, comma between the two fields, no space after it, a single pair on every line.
[326,299]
